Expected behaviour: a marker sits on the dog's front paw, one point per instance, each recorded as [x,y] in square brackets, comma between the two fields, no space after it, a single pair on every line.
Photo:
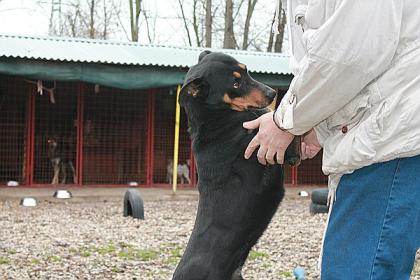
[293,153]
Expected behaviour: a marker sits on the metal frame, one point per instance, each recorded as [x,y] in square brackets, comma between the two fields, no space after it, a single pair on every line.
[30,134]
[150,137]
[150,143]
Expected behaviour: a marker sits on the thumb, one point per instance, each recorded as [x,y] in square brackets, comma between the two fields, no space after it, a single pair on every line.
[303,154]
[252,124]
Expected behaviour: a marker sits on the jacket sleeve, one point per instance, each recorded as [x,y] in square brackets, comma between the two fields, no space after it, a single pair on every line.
[350,49]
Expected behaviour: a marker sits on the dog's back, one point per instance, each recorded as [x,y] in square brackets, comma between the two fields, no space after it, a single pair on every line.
[238,197]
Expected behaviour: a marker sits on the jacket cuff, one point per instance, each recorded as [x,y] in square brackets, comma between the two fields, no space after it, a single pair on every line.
[322,132]
[283,116]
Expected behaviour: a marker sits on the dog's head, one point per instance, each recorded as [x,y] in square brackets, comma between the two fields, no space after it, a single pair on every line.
[52,142]
[220,81]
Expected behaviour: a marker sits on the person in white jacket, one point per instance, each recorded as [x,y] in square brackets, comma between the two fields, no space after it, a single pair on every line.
[356,94]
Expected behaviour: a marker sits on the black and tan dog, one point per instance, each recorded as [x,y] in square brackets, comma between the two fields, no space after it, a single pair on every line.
[238,197]
[61,155]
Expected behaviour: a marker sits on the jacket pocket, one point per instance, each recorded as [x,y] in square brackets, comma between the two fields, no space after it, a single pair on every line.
[351,114]
[368,135]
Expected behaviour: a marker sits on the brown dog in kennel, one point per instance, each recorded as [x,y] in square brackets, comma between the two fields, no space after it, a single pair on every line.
[61,156]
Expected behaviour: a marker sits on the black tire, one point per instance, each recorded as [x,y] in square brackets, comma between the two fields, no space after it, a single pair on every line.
[318,208]
[133,204]
[320,196]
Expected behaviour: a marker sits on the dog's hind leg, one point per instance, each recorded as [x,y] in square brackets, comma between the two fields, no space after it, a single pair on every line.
[64,170]
[56,165]
[237,275]
[73,171]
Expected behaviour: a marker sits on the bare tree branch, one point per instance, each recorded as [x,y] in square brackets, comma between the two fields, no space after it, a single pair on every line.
[196,24]
[146,19]
[118,15]
[184,19]
[250,11]
[238,9]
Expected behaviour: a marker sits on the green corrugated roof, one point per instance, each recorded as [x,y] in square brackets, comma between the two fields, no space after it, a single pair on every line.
[124,53]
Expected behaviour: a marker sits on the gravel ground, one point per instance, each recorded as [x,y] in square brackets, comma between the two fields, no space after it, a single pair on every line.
[91,240]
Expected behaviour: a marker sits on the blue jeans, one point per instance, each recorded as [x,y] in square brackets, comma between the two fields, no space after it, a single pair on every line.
[374,229]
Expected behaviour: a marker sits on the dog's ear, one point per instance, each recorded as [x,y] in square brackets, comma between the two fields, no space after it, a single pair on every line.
[191,87]
[203,54]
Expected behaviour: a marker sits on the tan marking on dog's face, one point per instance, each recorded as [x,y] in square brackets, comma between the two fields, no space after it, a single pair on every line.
[237,74]
[242,66]
[193,90]
[272,106]
[254,99]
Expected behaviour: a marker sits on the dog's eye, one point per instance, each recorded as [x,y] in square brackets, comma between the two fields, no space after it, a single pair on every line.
[237,83]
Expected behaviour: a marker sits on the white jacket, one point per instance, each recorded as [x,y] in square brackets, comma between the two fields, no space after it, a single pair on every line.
[357,79]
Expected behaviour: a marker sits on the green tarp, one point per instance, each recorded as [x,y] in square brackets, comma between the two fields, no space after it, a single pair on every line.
[117,76]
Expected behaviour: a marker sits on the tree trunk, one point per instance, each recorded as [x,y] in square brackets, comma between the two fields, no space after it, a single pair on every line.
[92,19]
[196,24]
[251,7]
[270,42]
[278,45]
[229,36]
[105,31]
[277,40]
[209,24]
[134,19]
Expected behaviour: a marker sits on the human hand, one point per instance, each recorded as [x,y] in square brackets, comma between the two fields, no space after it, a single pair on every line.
[310,145]
[272,141]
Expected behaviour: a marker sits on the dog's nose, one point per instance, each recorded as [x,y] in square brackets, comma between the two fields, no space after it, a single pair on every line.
[270,93]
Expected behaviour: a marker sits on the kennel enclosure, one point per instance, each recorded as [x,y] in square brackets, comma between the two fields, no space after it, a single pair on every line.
[103,113]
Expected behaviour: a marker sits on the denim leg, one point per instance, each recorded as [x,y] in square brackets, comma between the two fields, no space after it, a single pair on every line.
[374,229]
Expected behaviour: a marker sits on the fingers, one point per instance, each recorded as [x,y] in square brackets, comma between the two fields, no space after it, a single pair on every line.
[252,124]
[254,142]
[280,157]
[270,141]
[261,155]
[269,157]
[251,147]
[303,155]
[308,151]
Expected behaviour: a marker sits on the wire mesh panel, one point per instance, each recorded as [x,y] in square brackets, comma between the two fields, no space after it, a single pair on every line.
[13,102]
[287,169]
[164,140]
[310,172]
[55,134]
[114,136]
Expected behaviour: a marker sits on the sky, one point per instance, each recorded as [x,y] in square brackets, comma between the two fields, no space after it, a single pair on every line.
[22,17]
[28,17]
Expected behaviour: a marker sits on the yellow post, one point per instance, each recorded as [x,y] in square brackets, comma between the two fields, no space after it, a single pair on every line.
[176,142]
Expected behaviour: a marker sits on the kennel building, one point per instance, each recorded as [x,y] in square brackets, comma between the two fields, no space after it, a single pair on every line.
[100,113]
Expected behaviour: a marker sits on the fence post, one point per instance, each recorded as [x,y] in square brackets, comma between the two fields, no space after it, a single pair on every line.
[150,137]
[294,176]
[79,133]
[176,141]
